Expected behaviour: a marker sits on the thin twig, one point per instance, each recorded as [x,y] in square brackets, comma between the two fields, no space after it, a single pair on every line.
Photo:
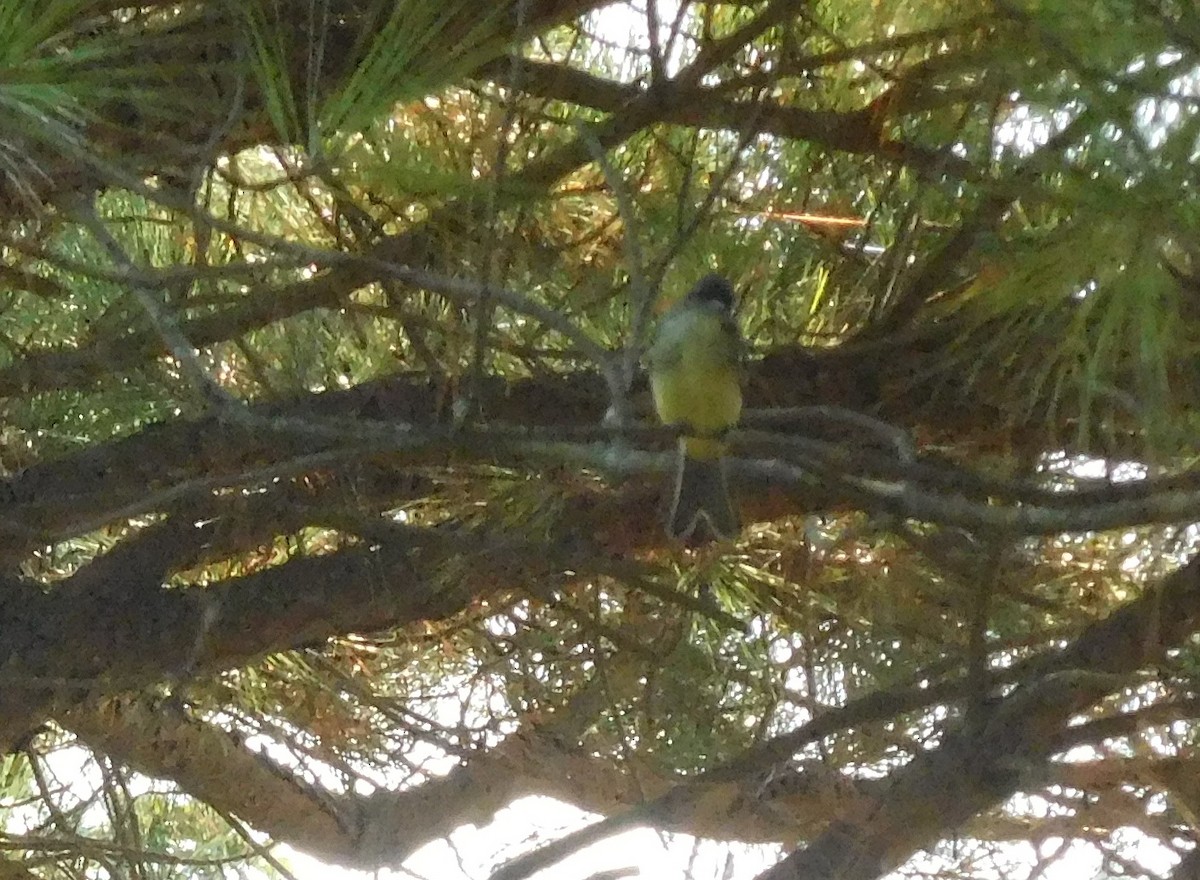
[641,295]
[161,318]
[469,402]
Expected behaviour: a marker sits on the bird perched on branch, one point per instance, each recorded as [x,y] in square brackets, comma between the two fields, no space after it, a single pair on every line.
[695,376]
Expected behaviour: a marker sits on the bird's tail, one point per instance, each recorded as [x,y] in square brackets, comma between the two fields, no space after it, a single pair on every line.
[701,499]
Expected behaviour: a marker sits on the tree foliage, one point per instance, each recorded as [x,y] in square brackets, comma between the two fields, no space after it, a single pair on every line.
[331,495]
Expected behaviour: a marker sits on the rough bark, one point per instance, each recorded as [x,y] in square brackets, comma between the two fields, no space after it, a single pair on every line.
[126,629]
[1001,746]
[1002,751]
[381,829]
[171,463]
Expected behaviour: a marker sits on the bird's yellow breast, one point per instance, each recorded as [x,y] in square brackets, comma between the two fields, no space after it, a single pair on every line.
[695,376]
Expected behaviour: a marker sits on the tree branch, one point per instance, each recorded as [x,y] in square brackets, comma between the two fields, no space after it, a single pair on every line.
[1007,749]
[88,637]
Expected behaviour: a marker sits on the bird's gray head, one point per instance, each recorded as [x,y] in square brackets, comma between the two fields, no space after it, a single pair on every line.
[714,289]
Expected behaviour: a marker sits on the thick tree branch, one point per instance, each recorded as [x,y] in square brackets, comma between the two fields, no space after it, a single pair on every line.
[165,465]
[91,636]
[382,829]
[1006,751]
[689,104]
[973,769]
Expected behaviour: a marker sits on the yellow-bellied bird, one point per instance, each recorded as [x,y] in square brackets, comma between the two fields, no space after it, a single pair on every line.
[695,376]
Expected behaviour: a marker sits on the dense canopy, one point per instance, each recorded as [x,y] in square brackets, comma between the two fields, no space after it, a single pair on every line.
[331,512]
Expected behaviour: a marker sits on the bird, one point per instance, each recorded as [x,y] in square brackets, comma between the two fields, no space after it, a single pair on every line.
[695,367]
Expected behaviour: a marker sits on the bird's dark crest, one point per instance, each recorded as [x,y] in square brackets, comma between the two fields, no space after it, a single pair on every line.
[714,288]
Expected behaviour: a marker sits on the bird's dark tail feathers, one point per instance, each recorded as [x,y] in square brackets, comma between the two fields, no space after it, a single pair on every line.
[700,506]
